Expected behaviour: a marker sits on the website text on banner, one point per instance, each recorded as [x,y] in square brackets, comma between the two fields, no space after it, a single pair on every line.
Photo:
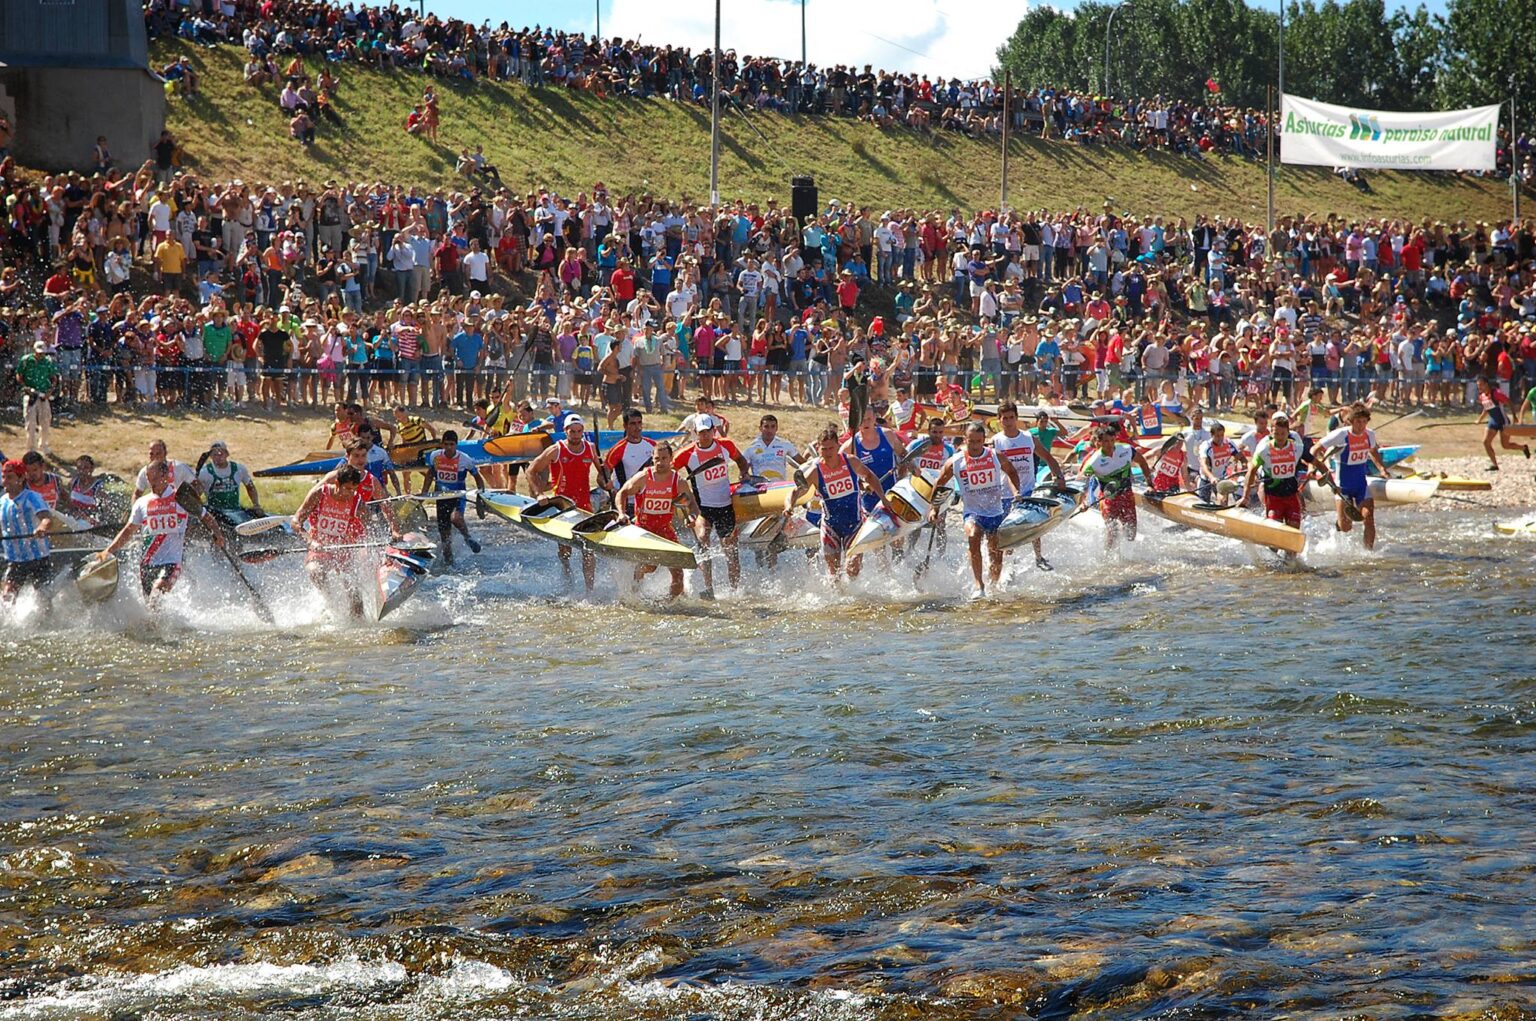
[1321,134]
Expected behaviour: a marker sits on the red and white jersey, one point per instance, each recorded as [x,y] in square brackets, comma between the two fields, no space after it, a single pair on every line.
[979,481]
[1020,450]
[165,522]
[713,484]
[1170,470]
[338,519]
[48,489]
[573,472]
[1278,462]
[627,458]
[655,501]
[837,481]
[931,458]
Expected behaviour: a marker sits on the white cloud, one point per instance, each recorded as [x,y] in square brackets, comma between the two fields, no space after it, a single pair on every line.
[955,39]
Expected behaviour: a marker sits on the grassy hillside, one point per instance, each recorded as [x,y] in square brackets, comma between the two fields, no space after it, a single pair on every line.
[568,139]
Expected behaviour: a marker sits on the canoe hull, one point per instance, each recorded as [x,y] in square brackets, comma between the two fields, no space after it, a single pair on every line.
[398,575]
[1032,516]
[1231,522]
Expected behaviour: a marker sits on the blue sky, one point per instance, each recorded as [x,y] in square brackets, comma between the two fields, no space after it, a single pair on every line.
[948,37]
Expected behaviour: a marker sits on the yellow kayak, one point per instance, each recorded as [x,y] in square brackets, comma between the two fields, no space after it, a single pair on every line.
[751,501]
[1232,522]
[1450,483]
[1526,527]
[558,519]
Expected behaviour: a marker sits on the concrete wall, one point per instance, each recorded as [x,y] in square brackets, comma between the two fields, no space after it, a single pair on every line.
[59,112]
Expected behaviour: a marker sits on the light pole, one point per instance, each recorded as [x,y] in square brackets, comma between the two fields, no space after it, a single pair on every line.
[597,5]
[802,34]
[714,117]
[1109,25]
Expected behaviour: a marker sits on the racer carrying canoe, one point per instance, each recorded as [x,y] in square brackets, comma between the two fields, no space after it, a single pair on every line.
[979,470]
[712,488]
[1495,407]
[1217,458]
[881,450]
[631,454]
[657,492]
[1111,465]
[841,481]
[24,517]
[1279,459]
[928,457]
[221,479]
[447,469]
[1020,449]
[358,451]
[331,516]
[571,462]
[160,514]
[1358,450]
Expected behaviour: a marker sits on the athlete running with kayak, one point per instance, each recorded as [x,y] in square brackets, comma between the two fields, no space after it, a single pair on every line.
[656,493]
[927,457]
[46,484]
[447,469]
[769,454]
[221,480]
[979,470]
[628,457]
[1495,408]
[331,516]
[180,473]
[24,520]
[842,481]
[570,464]
[1020,449]
[707,462]
[1110,466]
[162,516]
[880,449]
[1358,450]
[1279,460]
[1218,457]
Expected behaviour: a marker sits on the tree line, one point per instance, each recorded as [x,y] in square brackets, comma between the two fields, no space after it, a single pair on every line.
[1354,53]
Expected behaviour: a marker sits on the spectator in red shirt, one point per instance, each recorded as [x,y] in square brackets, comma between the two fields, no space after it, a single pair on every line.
[623,283]
[847,291]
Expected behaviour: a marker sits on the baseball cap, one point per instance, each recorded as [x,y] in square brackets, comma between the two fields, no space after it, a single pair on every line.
[704,422]
[574,420]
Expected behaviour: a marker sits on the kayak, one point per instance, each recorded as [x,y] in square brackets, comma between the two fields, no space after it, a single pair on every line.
[400,572]
[1397,455]
[558,519]
[251,547]
[1384,492]
[913,499]
[496,450]
[96,580]
[1032,516]
[1233,522]
[1451,483]
[1526,527]
[1522,429]
[751,500]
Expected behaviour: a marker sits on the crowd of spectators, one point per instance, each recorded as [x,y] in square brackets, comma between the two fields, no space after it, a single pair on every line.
[162,287]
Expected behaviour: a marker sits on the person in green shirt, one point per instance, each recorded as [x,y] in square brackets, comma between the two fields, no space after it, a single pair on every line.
[1044,432]
[38,374]
[1525,408]
[216,339]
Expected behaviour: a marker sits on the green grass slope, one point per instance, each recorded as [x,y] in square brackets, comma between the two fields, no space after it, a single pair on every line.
[568,139]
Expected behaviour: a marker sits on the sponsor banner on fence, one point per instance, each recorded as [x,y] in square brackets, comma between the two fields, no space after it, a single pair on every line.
[1321,134]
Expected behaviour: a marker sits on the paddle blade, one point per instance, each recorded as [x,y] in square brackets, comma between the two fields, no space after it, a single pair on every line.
[190,498]
[260,526]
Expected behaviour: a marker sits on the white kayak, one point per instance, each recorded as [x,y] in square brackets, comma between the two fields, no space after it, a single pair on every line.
[1032,516]
[1384,492]
[913,499]
[776,532]
[400,570]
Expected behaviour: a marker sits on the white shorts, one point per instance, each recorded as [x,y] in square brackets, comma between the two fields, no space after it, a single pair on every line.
[1031,253]
[234,377]
[978,289]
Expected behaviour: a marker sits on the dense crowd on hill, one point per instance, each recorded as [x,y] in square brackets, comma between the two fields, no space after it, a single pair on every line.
[275,31]
[158,286]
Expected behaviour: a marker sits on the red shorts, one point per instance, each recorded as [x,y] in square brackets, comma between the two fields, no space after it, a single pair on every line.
[664,530]
[1284,509]
[1120,507]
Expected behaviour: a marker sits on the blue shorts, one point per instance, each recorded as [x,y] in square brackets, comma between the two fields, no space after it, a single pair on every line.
[1357,489]
[989,523]
[451,501]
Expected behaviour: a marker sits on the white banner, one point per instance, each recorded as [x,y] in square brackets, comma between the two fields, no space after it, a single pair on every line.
[1320,134]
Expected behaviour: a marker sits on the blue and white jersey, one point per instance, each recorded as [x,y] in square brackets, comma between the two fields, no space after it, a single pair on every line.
[19,516]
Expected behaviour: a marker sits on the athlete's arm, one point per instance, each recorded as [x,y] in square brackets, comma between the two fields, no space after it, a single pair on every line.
[538,471]
[862,471]
[1253,473]
[1050,459]
[804,482]
[307,507]
[128,531]
[945,474]
[624,492]
[1141,462]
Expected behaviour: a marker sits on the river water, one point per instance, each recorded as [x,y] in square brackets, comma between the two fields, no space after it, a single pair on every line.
[1172,783]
